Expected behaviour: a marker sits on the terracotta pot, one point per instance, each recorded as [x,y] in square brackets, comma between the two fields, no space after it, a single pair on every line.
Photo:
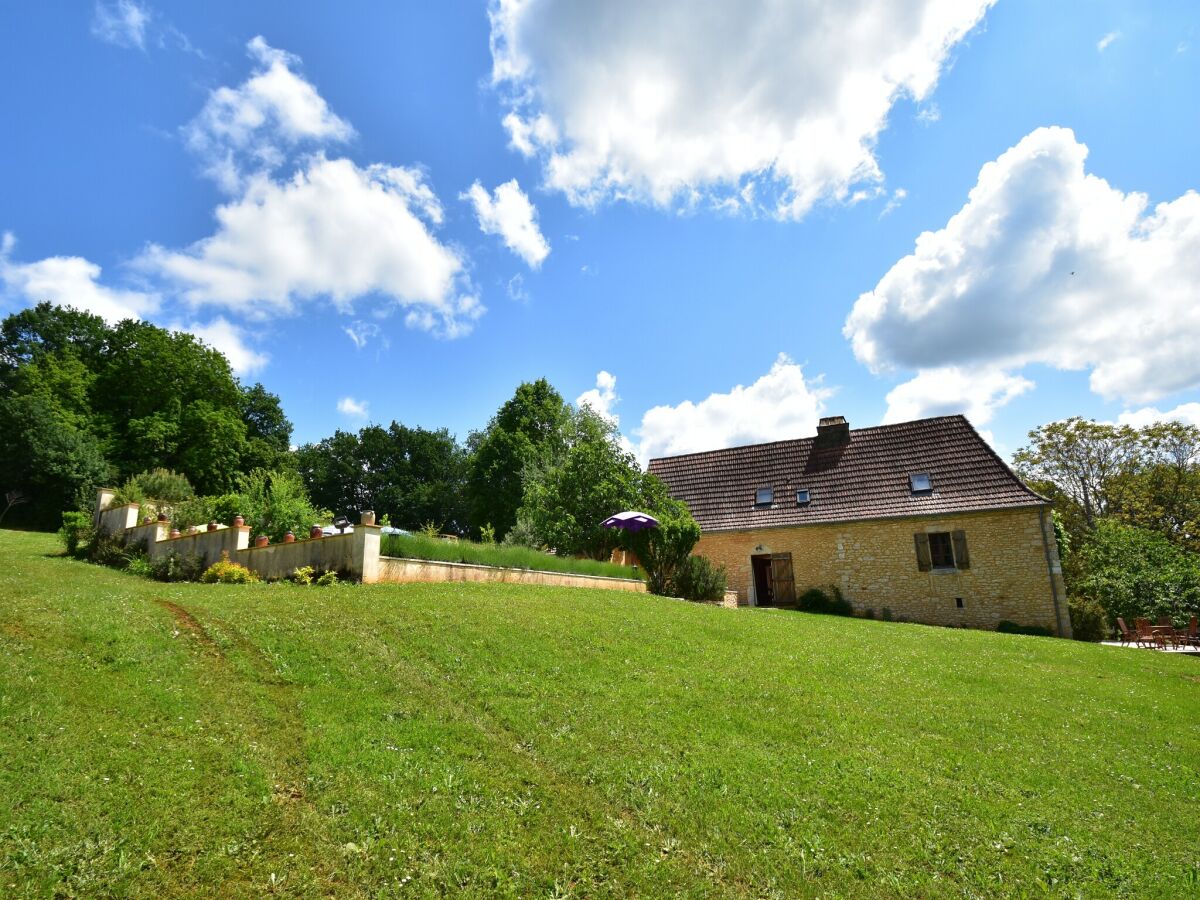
[315,532]
[368,517]
[162,517]
[174,532]
[238,521]
[261,541]
[192,529]
[146,520]
[212,526]
[289,538]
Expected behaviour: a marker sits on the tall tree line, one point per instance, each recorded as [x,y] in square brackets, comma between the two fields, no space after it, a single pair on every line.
[83,403]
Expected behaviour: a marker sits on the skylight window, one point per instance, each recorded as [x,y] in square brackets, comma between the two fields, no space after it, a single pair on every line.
[764,496]
[803,497]
[920,482]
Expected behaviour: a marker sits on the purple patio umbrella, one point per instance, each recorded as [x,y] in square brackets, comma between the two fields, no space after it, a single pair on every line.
[631,520]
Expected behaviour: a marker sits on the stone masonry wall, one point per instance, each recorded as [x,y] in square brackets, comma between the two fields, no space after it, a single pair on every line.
[875,565]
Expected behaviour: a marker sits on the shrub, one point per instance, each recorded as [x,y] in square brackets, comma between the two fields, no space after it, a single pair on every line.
[194,511]
[886,614]
[1134,572]
[430,529]
[107,550]
[303,575]
[76,532]
[1089,620]
[832,603]
[177,567]
[139,564]
[665,550]
[1008,627]
[522,534]
[156,484]
[701,580]
[272,503]
[224,571]
[329,578]
[487,534]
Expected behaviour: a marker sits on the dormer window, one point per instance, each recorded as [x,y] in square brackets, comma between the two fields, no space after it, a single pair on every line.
[764,496]
[921,483]
[803,497]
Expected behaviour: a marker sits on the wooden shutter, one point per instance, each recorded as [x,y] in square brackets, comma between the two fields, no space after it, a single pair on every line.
[783,582]
[924,562]
[962,559]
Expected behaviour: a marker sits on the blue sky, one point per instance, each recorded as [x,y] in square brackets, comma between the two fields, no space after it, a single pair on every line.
[713,234]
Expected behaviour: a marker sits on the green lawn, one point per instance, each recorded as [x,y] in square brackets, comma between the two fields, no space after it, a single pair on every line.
[419,546]
[484,740]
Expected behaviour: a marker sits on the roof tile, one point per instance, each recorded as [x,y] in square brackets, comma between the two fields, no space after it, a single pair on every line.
[864,479]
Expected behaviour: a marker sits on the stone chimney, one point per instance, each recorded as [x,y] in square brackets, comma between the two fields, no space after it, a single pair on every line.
[833,431]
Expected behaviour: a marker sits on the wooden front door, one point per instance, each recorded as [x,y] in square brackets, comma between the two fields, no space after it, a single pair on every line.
[783,582]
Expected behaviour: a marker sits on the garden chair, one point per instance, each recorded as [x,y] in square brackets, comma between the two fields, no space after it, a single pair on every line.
[1192,637]
[1166,628]
[1147,638]
[1125,634]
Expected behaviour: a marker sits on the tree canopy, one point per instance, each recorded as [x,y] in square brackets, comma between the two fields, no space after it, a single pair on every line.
[85,403]
[527,431]
[412,475]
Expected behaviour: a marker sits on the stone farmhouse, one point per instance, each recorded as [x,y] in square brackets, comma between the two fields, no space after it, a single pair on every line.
[921,518]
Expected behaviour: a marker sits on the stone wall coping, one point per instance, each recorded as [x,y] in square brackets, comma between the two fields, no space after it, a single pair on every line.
[198,533]
[297,542]
[122,506]
[898,518]
[462,565]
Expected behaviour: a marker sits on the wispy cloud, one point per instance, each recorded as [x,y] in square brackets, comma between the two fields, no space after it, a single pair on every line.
[362,333]
[122,23]
[1107,41]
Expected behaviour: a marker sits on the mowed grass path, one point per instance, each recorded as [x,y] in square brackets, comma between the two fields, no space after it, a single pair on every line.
[166,740]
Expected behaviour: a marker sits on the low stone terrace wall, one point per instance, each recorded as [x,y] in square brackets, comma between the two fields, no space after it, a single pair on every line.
[397,570]
[354,555]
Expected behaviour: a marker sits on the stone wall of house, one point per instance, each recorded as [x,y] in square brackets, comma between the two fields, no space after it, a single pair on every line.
[875,565]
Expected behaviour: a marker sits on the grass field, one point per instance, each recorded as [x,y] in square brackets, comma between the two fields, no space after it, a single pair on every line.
[163,740]
[419,546]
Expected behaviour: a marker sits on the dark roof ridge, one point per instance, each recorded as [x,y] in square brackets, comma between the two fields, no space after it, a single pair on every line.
[801,440]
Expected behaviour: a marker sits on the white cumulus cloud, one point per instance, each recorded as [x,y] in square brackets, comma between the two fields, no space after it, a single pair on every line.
[230,340]
[254,125]
[355,409]
[71,281]
[780,405]
[122,23]
[976,393]
[603,397]
[1046,263]
[674,102]
[1188,413]
[333,230]
[508,213]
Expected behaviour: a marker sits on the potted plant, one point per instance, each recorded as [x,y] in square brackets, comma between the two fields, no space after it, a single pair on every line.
[261,541]
[289,538]
[212,526]
[238,521]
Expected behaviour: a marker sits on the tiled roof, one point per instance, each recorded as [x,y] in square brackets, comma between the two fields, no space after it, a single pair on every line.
[866,478]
